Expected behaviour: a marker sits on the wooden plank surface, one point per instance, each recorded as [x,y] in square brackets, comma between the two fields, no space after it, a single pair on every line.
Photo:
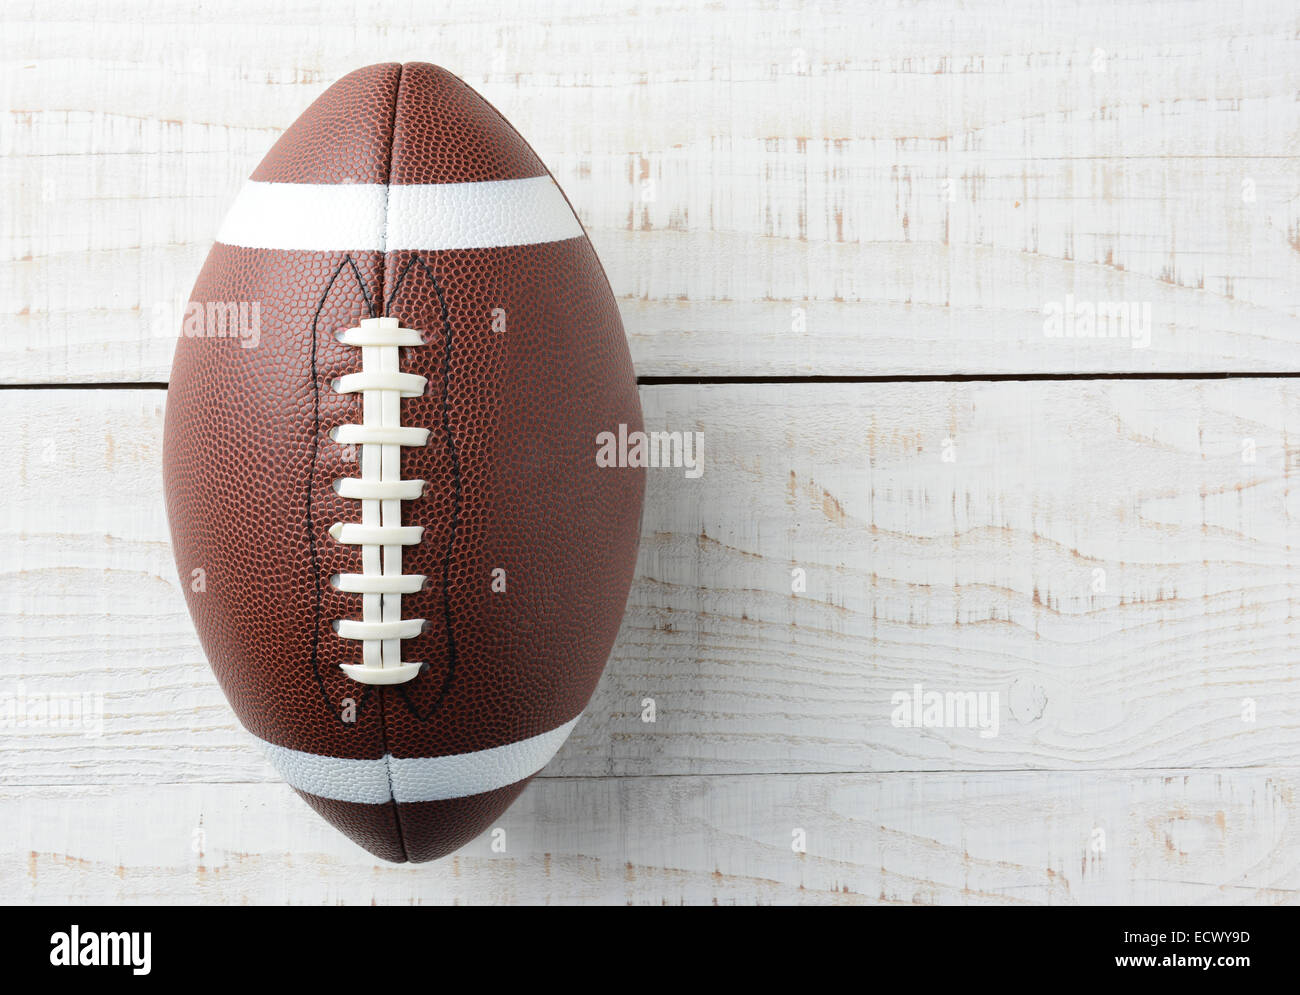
[979,839]
[804,190]
[1107,567]
[977,575]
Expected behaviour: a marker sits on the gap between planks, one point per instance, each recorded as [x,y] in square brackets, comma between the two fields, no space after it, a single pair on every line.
[722,381]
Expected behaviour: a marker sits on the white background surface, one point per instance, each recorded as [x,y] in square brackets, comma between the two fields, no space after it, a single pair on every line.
[779,193]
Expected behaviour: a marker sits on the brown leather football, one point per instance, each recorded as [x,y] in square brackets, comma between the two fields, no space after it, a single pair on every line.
[403,556]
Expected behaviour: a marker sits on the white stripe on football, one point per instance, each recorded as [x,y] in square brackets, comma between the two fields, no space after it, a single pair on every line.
[417,779]
[374,217]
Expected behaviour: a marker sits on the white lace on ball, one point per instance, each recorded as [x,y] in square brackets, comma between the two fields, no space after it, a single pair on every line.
[381,491]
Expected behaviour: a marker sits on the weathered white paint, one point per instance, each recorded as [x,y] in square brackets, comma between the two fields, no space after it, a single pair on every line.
[1000,838]
[975,575]
[774,191]
[849,193]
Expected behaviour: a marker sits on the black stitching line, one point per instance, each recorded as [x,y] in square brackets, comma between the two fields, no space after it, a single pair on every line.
[401,278]
[452,656]
[314,553]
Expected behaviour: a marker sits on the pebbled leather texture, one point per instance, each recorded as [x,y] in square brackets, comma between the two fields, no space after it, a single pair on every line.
[427,830]
[512,481]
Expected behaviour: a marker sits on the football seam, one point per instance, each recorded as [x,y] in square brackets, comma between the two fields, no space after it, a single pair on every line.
[383,268]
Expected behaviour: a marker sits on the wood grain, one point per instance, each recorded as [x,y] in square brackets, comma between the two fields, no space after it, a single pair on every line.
[779,192]
[974,839]
[976,575]
[809,190]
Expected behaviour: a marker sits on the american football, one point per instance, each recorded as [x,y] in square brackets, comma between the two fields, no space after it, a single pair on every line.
[404,563]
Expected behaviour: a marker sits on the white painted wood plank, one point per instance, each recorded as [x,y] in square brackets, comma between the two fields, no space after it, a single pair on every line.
[793,191]
[1205,837]
[979,575]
